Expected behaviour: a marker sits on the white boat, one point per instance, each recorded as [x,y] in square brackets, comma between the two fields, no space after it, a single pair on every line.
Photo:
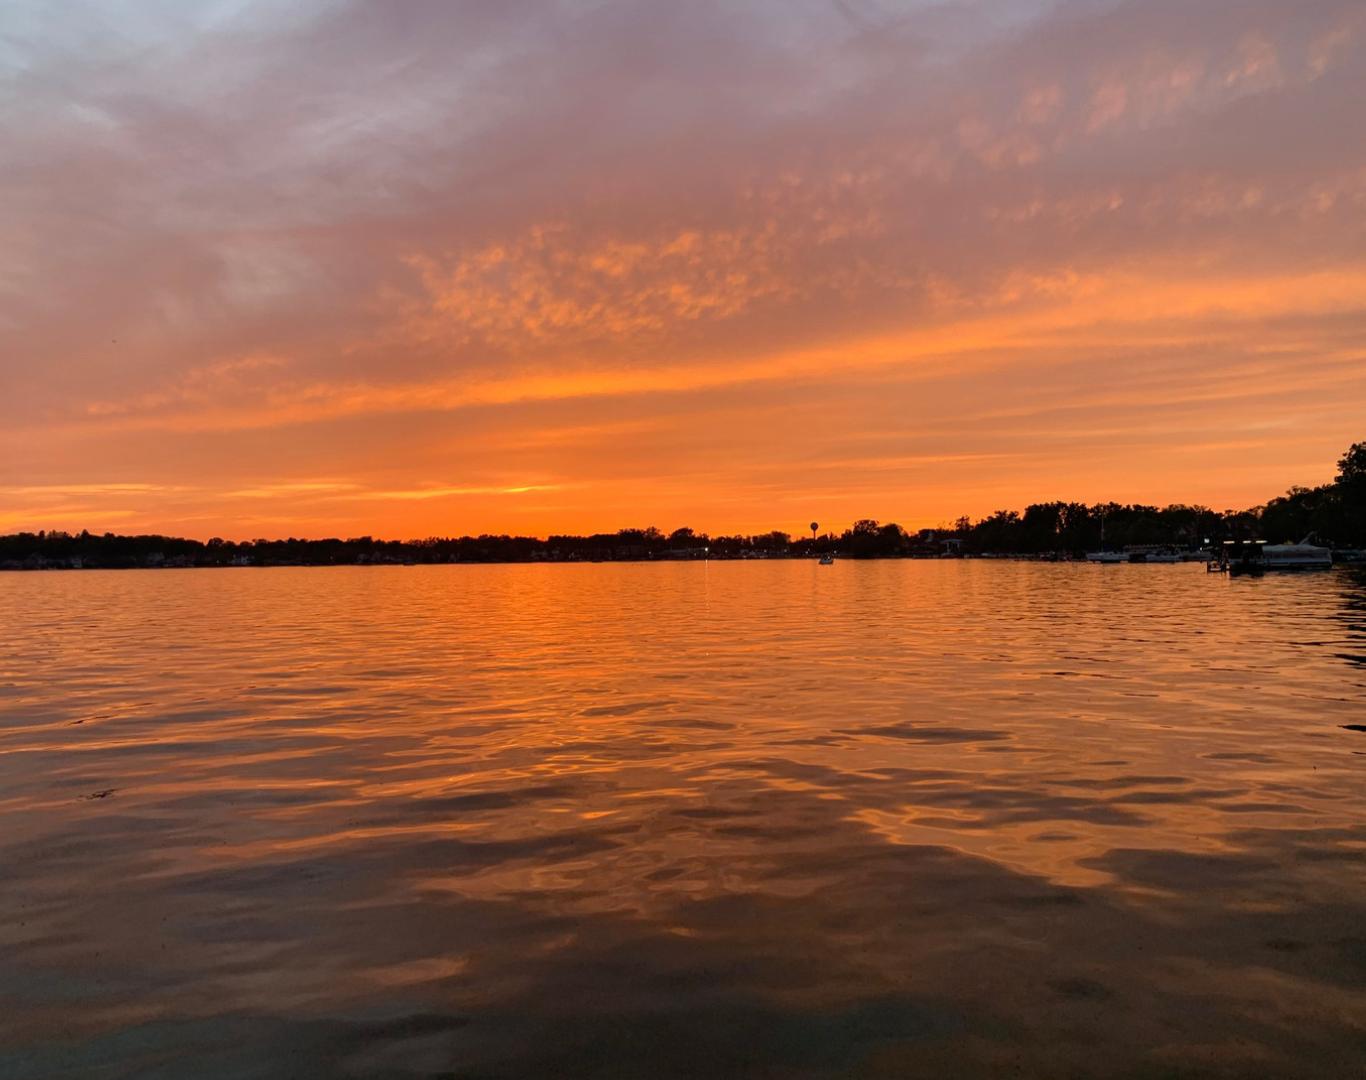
[1257,557]
[1153,553]
[1103,556]
[1299,556]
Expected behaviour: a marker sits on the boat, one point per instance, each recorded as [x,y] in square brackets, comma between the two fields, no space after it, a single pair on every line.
[1257,557]
[1102,556]
[827,560]
[1153,553]
[1301,556]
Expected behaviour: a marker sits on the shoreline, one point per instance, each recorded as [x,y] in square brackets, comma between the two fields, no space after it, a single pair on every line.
[1018,558]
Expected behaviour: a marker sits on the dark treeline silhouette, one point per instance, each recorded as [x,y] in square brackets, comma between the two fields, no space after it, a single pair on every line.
[1333,514]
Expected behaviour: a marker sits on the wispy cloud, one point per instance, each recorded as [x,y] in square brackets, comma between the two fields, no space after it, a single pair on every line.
[450,492]
[292,489]
[63,491]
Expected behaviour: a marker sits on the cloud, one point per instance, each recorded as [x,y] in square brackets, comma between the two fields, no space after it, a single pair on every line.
[252,246]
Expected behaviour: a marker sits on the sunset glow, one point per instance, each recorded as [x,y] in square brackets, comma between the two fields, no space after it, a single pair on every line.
[437,268]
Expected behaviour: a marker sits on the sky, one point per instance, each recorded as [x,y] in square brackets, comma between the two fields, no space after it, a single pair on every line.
[433,268]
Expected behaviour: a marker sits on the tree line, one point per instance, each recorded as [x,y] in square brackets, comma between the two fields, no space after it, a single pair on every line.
[1333,514]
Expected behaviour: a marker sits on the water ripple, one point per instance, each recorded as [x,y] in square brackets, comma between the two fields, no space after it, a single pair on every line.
[885,819]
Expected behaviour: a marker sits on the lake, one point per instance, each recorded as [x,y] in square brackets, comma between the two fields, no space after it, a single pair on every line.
[948,818]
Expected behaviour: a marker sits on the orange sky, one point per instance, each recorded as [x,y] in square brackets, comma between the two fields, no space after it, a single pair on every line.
[431,268]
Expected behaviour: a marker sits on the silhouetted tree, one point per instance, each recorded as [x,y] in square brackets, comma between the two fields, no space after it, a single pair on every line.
[1352,467]
[1335,513]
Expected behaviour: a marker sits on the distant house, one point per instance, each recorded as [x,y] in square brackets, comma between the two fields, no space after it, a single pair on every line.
[930,542]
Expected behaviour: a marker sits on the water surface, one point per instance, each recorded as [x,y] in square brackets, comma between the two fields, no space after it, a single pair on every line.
[769,819]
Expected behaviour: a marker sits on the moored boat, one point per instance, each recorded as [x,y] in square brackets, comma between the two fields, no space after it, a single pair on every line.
[1299,556]
[1102,556]
[1257,557]
[1153,553]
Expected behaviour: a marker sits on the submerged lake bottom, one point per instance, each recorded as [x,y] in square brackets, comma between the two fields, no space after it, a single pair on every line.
[883,819]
